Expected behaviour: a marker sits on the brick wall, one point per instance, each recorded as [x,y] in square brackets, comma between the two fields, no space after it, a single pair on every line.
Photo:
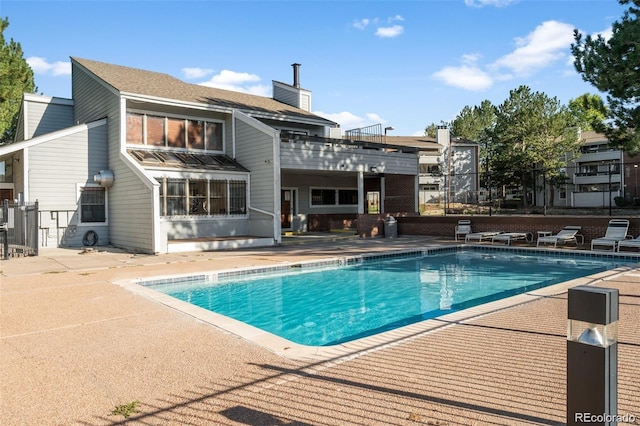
[327,222]
[400,193]
[592,227]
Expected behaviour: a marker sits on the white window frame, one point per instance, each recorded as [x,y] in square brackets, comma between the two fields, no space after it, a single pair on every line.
[208,178]
[186,118]
[79,188]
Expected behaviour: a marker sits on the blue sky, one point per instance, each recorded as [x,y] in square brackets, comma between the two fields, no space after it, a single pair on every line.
[405,64]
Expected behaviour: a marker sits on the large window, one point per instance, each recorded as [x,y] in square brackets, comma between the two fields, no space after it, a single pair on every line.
[202,197]
[153,130]
[175,198]
[237,197]
[93,207]
[218,197]
[334,197]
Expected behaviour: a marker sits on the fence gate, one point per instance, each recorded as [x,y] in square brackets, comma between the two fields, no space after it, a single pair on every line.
[19,229]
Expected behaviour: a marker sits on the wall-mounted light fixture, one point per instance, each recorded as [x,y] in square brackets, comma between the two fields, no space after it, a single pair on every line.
[373,169]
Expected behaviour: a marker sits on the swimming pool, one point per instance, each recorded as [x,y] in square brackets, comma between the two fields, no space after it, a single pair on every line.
[335,302]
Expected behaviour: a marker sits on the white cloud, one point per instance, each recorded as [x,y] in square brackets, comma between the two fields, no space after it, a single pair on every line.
[483,3]
[468,77]
[606,34]
[41,66]
[238,82]
[361,24]
[548,43]
[348,120]
[388,32]
[191,73]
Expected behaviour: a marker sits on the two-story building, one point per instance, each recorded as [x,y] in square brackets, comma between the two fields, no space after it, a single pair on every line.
[448,167]
[598,175]
[146,162]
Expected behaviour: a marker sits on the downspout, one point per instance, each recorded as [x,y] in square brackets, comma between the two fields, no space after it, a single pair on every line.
[277,188]
[233,134]
[25,175]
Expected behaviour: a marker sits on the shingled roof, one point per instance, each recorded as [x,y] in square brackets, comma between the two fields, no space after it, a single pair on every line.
[148,83]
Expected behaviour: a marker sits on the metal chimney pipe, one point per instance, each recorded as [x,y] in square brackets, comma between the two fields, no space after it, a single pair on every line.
[296,75]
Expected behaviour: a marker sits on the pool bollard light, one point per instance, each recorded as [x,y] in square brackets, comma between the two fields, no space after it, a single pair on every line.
[592,356]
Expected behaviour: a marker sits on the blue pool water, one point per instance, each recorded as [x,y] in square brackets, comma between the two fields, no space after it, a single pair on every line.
[327,306]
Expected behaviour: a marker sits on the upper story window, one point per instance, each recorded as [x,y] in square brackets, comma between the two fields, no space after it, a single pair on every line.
[179,133]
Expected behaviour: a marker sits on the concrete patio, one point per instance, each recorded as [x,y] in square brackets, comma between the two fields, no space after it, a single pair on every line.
[74,345]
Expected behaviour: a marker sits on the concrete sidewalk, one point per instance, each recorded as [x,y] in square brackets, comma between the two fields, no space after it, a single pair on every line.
[74,345]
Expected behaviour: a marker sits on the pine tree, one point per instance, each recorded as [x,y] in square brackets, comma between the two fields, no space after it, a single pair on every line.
[612,67]
[16,78]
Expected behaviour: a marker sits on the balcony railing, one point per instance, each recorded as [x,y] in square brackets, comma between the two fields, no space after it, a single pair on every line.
[296,138]
[605,173]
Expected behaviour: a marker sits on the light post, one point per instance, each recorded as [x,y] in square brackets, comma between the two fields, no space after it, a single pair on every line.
[609,189]
[592,356]
[386,129]
[635,187]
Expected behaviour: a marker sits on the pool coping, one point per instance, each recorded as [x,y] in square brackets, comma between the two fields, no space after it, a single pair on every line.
[354,348]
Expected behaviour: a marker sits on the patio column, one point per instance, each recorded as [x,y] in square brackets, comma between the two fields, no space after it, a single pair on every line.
[361,193]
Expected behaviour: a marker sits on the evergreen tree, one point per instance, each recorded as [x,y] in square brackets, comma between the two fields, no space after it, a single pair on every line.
[612,67]
[531,136]
[16,78]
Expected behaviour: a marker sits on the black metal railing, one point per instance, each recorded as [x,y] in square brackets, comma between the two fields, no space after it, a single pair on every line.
[18,229]
[295,137]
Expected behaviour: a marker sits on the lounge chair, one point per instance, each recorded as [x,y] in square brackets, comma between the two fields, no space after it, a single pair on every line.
[566,235]
[462,228]
[480,236]
[632,243]
[616,232]
[507,237]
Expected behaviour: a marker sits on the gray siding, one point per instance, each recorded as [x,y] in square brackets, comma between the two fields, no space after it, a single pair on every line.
[131,215]
[56,167]
[289,97]
[256,150]
[197,228]
[20,126]
[322,157]
[46,116]
[92,100]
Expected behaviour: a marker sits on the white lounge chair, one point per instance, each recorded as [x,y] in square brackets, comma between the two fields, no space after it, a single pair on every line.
[632,243]
[616,232]
[508,237]
[462,228]
[566,235]
[480,236]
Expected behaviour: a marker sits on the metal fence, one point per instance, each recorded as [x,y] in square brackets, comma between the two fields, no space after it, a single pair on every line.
[19,234]
[601,184]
